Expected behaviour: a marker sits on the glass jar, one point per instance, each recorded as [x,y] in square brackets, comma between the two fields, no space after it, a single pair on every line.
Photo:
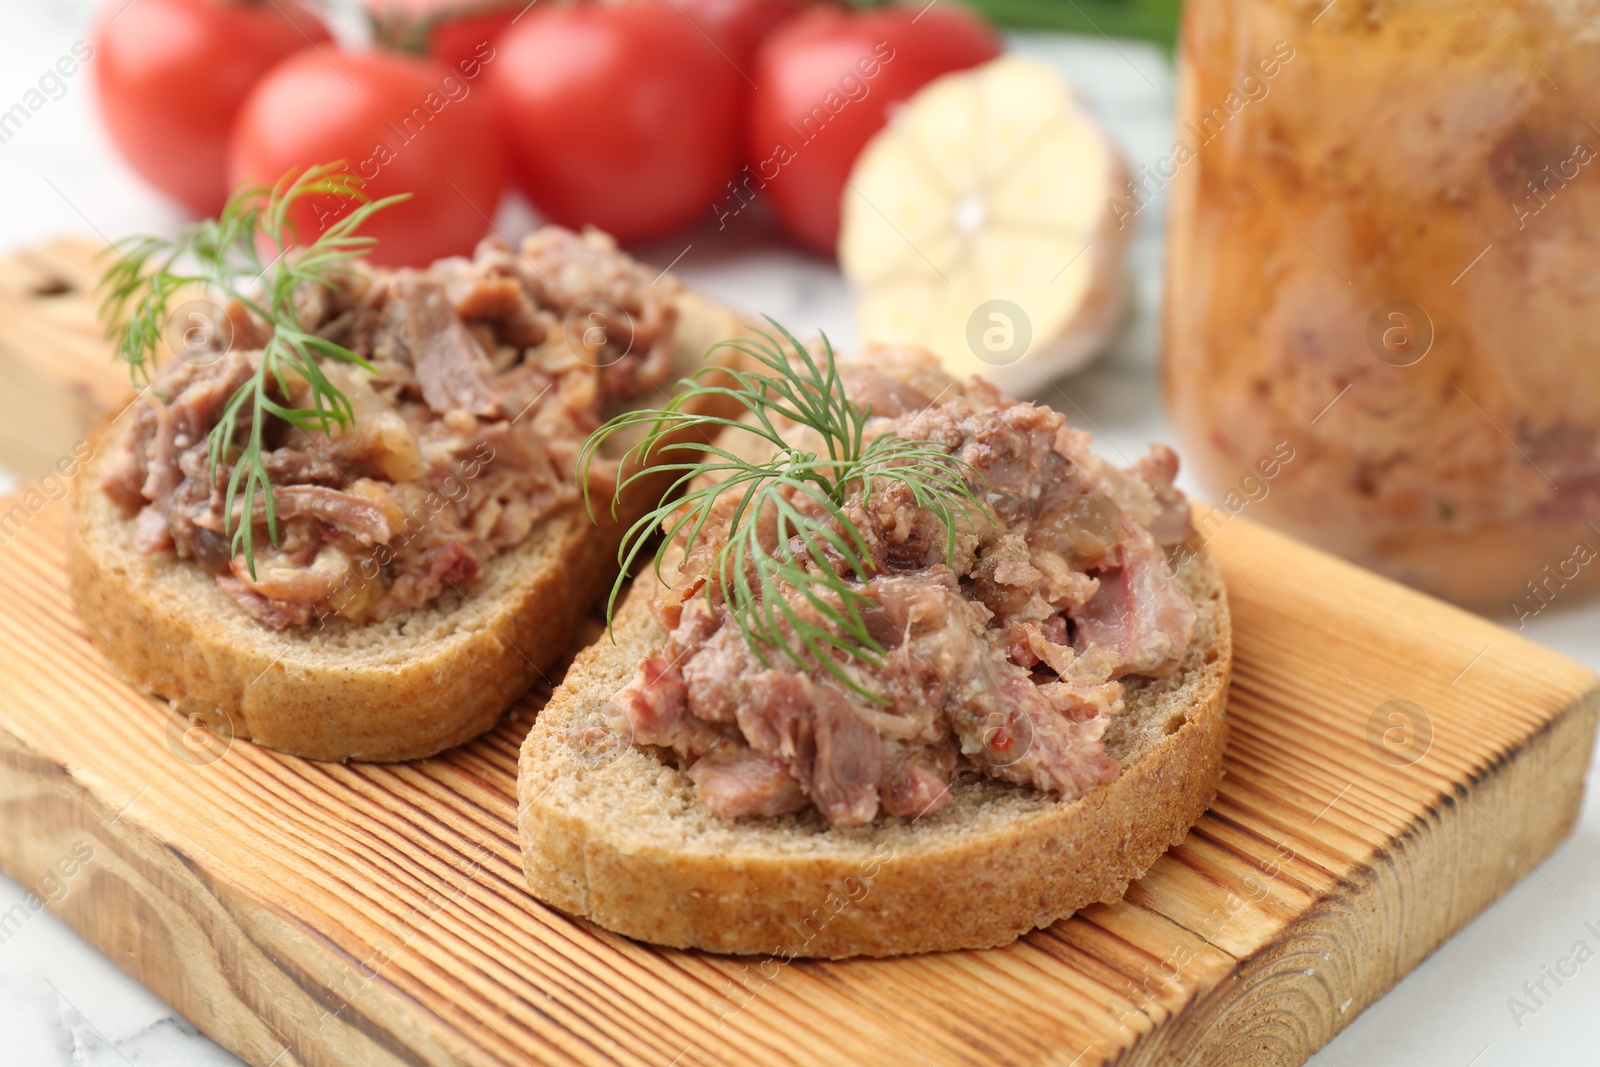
[1383,283]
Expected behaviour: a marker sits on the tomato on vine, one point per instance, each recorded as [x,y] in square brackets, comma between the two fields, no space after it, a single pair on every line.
[623,116]
[828,81]
[448,30]
[401,124]
[171,76]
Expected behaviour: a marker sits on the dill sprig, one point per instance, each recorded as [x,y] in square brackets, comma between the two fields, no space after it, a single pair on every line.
[754,577]
[249,253]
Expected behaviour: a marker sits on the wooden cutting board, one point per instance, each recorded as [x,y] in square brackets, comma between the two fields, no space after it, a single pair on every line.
[1395,765]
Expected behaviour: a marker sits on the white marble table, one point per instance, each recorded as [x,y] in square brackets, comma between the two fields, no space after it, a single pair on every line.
[62,1004]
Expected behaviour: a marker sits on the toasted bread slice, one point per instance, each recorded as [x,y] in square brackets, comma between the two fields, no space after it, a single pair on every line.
[618,836]
[410,686]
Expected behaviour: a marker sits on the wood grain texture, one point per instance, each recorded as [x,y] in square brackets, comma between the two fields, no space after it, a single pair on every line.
[302,913]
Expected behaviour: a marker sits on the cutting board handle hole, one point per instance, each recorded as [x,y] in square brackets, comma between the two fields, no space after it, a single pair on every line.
[53,285]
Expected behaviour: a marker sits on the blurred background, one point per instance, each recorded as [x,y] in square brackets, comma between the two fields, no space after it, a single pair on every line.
[1378,255]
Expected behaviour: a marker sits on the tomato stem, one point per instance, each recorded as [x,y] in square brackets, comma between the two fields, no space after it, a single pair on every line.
[408,32]
[396,32]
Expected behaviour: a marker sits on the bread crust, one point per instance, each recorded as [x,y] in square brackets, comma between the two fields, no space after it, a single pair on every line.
[618,837]
[406,688]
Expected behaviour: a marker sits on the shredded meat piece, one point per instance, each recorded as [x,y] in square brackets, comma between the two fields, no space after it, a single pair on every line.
[1001,658]
[295,466]
[450,365]
[504,301]
[124,478]
[285,577]
[176,413]
[917,779]
[1172,523]
[279,614]
[361,517]
[734,780]
[150,531]
[653,708]
[614,306]
[1140,613]
[652,711]
[849,764]
[775,717]
[465,438]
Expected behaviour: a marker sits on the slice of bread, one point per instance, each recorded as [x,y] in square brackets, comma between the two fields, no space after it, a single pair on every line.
[617,836]
[410,686]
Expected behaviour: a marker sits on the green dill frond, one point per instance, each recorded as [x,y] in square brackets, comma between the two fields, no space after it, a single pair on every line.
[250,253]
[789,535]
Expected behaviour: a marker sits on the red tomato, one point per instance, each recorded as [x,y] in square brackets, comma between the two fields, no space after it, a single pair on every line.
[828,80]
[448,30]
[403,124]
[619,115]
[171,74]
[738,26]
